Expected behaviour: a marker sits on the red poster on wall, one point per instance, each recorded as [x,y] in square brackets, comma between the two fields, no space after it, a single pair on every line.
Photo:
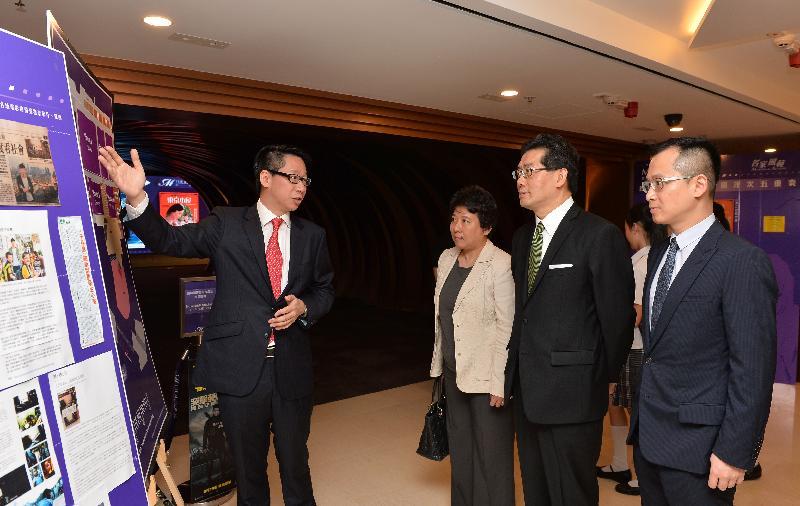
[179,208]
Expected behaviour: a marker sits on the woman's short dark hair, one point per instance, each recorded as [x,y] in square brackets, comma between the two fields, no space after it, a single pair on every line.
[273,157]
[477,201]
[640,214]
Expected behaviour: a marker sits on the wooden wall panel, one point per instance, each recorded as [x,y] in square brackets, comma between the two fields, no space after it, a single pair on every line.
[142,84]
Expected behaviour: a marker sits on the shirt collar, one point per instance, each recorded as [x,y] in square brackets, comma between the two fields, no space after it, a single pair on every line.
[554,217]
[694,233]
[265,215]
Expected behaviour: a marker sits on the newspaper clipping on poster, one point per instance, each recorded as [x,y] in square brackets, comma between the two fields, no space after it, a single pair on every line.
[81,282]
[27,174]
[33,338]
[29,473]
[90,414]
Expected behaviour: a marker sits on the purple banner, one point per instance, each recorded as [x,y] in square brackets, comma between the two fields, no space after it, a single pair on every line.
[763,189]
[34,91]
[93,108]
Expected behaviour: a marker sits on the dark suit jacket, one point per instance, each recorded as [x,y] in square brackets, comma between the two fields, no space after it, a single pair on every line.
[571,337]
[709,363]
[235,337]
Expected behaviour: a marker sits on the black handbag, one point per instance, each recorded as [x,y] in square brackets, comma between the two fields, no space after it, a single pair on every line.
[433,441]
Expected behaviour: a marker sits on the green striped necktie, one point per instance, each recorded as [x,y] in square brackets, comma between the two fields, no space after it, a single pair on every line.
[535,256]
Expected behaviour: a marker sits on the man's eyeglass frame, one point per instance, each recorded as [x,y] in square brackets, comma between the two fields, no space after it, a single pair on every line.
[527,171]
[293,178]
[658,183]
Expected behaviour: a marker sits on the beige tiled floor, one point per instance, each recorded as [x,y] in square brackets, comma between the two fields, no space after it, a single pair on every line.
[362,453]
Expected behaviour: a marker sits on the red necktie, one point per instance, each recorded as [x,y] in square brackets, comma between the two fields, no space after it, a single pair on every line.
[274,265]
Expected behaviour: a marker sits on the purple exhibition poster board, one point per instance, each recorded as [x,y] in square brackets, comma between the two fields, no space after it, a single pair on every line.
[766,198]
[197,296]
[34,91]
[93,108]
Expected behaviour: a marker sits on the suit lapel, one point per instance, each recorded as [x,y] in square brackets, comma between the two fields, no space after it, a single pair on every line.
[297,243]
[473,278]
[653,259]
[441,277]
[254,234]
[562,232]
[692,268]
[520,266]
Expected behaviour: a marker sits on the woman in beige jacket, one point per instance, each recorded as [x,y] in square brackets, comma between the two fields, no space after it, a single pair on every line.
[474,303]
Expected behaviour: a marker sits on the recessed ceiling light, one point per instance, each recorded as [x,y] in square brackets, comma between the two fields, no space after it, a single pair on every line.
[159,21]
[509,93]
[676,129]
[770,150]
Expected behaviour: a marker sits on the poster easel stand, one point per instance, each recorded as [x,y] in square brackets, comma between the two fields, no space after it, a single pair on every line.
[166,474]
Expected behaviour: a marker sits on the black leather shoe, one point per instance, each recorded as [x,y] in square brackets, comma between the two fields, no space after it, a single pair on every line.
[618,476]
[627,489]
[754,474]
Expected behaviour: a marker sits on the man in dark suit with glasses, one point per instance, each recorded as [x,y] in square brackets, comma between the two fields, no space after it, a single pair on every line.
[274,281]
[710,342]
[573,327]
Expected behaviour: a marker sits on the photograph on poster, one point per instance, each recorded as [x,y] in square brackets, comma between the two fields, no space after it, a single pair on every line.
[47,468]
[23,256]
[33,437]
[25,401]
[27,173]
[13,485]
[27,469]
[36,339]
[29,418]
[37,477]
[41,452]
[68,407]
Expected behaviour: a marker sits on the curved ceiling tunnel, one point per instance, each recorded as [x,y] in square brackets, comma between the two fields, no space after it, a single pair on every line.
[382,199]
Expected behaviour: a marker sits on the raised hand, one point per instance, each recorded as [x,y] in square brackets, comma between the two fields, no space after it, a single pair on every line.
[129,180]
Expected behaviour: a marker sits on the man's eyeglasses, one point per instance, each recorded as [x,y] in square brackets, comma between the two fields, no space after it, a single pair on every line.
[293,178]
[658,183]
[527,171]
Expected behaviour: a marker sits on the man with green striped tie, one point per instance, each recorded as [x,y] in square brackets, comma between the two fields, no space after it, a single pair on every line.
[573,327]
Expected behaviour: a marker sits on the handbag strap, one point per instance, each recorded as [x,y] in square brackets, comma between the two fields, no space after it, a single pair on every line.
[438,389]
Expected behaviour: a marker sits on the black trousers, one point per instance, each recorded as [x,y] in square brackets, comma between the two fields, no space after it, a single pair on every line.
[481,441]
[248,420]
[558,461]
[664,486]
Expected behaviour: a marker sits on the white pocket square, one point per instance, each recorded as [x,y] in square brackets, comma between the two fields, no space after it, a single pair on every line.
[559,266]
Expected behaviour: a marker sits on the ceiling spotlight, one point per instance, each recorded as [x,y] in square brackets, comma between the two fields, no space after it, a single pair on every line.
[770,150]
[674,122]
[159,21]
[509,93]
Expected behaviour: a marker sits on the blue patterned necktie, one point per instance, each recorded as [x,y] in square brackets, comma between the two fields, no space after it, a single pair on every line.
[664,279]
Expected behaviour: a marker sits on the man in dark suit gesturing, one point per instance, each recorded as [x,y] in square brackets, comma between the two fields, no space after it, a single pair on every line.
[273,282]
[709,340]
[572,330]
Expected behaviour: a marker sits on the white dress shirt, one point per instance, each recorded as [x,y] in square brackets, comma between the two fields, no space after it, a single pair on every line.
[265,217]
[687,240]
[551,222]
[639,261]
